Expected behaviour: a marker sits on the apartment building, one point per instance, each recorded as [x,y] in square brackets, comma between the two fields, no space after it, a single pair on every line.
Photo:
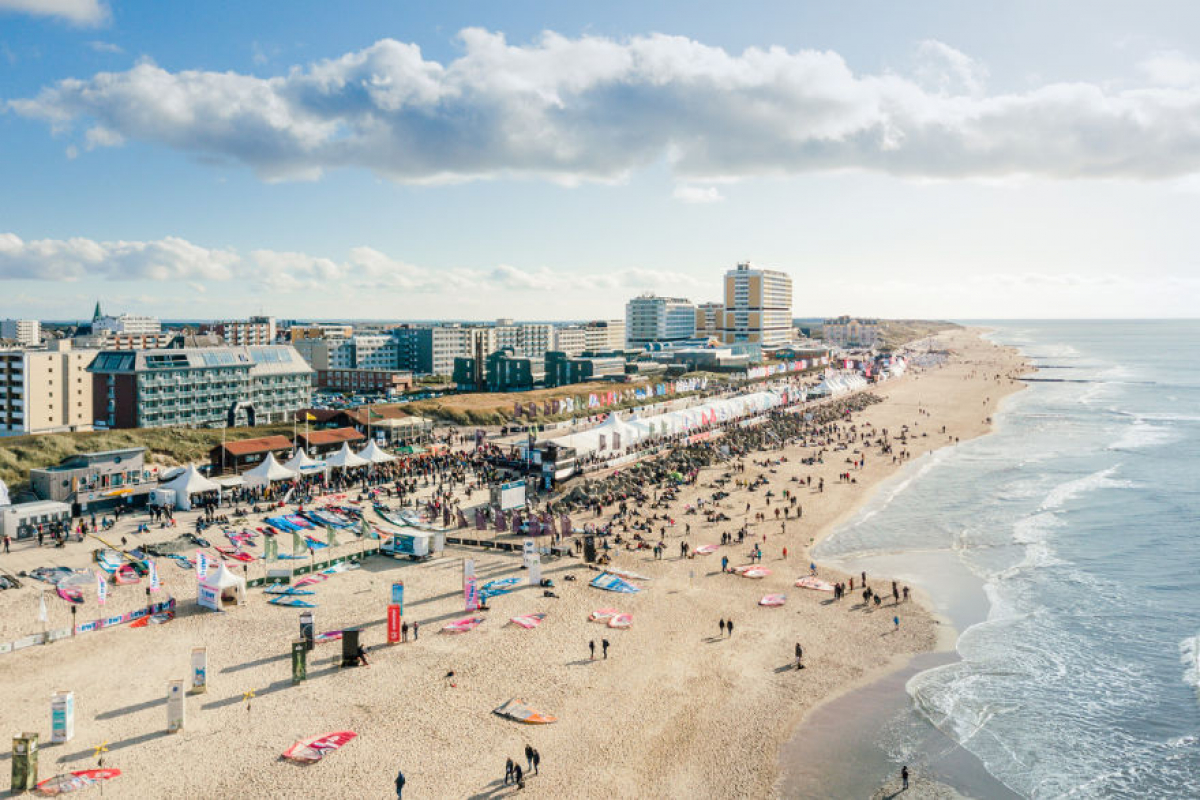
[650,320]
[199,387]
[26,332]
[847,331]
[758,307]
[528,339]
[135,324]
[604,335]
[45,391]
[253,332]
[570,339]
[709,317]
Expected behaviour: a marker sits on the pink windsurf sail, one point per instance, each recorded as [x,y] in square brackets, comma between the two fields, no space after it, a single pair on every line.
[316,748]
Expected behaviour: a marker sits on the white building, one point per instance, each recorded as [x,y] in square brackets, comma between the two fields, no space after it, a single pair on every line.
[571,339]
[650,319]
[758,307]
[134,324]
[604,335]
[23,331]
[529,339]
[846,331]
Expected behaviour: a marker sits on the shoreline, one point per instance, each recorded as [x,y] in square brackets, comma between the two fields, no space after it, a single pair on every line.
[853,705]
[675,710]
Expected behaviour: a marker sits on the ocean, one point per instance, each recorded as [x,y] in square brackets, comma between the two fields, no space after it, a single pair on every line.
[1065,549]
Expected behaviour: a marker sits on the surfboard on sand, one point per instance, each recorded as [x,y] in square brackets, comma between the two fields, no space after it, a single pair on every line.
[291,601]
[773,600]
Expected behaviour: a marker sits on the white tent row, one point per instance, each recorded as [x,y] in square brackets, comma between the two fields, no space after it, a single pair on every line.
[302,463]
[615,434]
[187,483]
[836,383]
[268,472]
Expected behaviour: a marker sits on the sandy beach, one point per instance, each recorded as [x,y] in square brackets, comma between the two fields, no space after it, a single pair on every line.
[674,710]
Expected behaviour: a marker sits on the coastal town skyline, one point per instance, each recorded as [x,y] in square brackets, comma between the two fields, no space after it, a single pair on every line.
[471,163]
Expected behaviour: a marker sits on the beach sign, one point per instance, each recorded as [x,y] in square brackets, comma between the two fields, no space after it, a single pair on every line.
[175,706]
[199,670]
[470,591]
[299,660]
[393,623]
[155,583]
[62,717]
[398,595]
[534,562]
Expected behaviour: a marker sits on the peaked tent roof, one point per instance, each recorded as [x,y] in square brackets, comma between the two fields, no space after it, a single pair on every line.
[301,461]
[269,470]
[190,482]
[345,458]
[375,454]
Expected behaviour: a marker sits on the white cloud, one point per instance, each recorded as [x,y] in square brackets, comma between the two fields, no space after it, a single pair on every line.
[697,194]
[597,109]
[106,47]
[79,12]
[1171,68]
[364,270]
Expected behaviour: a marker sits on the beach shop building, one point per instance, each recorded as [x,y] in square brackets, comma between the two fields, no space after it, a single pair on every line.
[24,520]
[320,443]
[97,481]
[237,457]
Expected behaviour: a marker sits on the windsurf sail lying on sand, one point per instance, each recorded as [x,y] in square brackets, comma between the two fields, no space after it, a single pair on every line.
[527,620]
[126,575]
[279,588]
[620,621]
[816,584]
[462,625]
[603,614]
[773,600]
[612,583]
[624,573]
[516,709]
[291,601]
[309,750]
[74,781]
[498,587]
[327,636]
[751,571]
[705,549]
[71,594]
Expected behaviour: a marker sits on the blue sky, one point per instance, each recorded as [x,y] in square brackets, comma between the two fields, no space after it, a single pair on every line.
[548,160]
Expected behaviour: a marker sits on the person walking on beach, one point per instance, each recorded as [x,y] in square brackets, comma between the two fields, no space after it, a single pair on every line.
[799,656]
[509,768]
[537,760]
[729,626]
[722,625]
[604,646]
[592,649]
[404,632]
[400,781]
[416,629]
[519,776]
[904,776]
[528,756]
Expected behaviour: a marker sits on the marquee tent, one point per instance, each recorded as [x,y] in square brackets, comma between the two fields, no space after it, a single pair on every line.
[188,483]
[221,588]
[346,458]
[268,472]
[303,463]
[375,454]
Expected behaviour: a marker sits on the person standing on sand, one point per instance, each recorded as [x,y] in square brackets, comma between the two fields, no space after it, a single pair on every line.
[528,756]
[416,629]
[537,760]
[896,623]
[519,777]
[906,594]
[729,626]
[722,625]
[904,776]
[592,649]
[604,646]
[400,781]
[799,656]
[508,771]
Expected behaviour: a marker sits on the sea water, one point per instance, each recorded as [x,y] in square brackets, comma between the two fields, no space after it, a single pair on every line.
[1078,669]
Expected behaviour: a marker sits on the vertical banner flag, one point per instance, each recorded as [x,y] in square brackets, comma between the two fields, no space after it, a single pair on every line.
[174,706]
[393,623]
[201,565]
[535,569]
[331,536]
[155,584]
[43,614]
[299,547]
[199,670]
[101,589]
[270,549]
[470,593]
[398,595]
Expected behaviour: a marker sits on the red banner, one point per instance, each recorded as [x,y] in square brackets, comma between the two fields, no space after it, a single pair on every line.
[393,624]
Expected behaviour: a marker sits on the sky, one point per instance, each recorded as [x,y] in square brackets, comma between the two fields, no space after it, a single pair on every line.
[396,159]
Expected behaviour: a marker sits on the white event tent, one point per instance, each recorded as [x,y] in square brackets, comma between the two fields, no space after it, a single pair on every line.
[302,463]
[187,483]
[346,458]
[221,588]
[375,454]
[268,472]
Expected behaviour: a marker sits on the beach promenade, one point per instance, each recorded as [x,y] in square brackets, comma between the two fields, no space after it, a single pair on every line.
[675,710]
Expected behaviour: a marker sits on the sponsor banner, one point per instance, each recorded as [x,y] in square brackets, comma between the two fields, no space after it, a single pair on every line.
[393,623]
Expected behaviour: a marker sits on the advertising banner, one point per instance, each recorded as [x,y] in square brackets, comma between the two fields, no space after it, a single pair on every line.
[398,595]
[155,583]
[535,569]
[470,591]
[101,589]
[199,670]
[175,706]
[299,661]
[62,717]
[393,623]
